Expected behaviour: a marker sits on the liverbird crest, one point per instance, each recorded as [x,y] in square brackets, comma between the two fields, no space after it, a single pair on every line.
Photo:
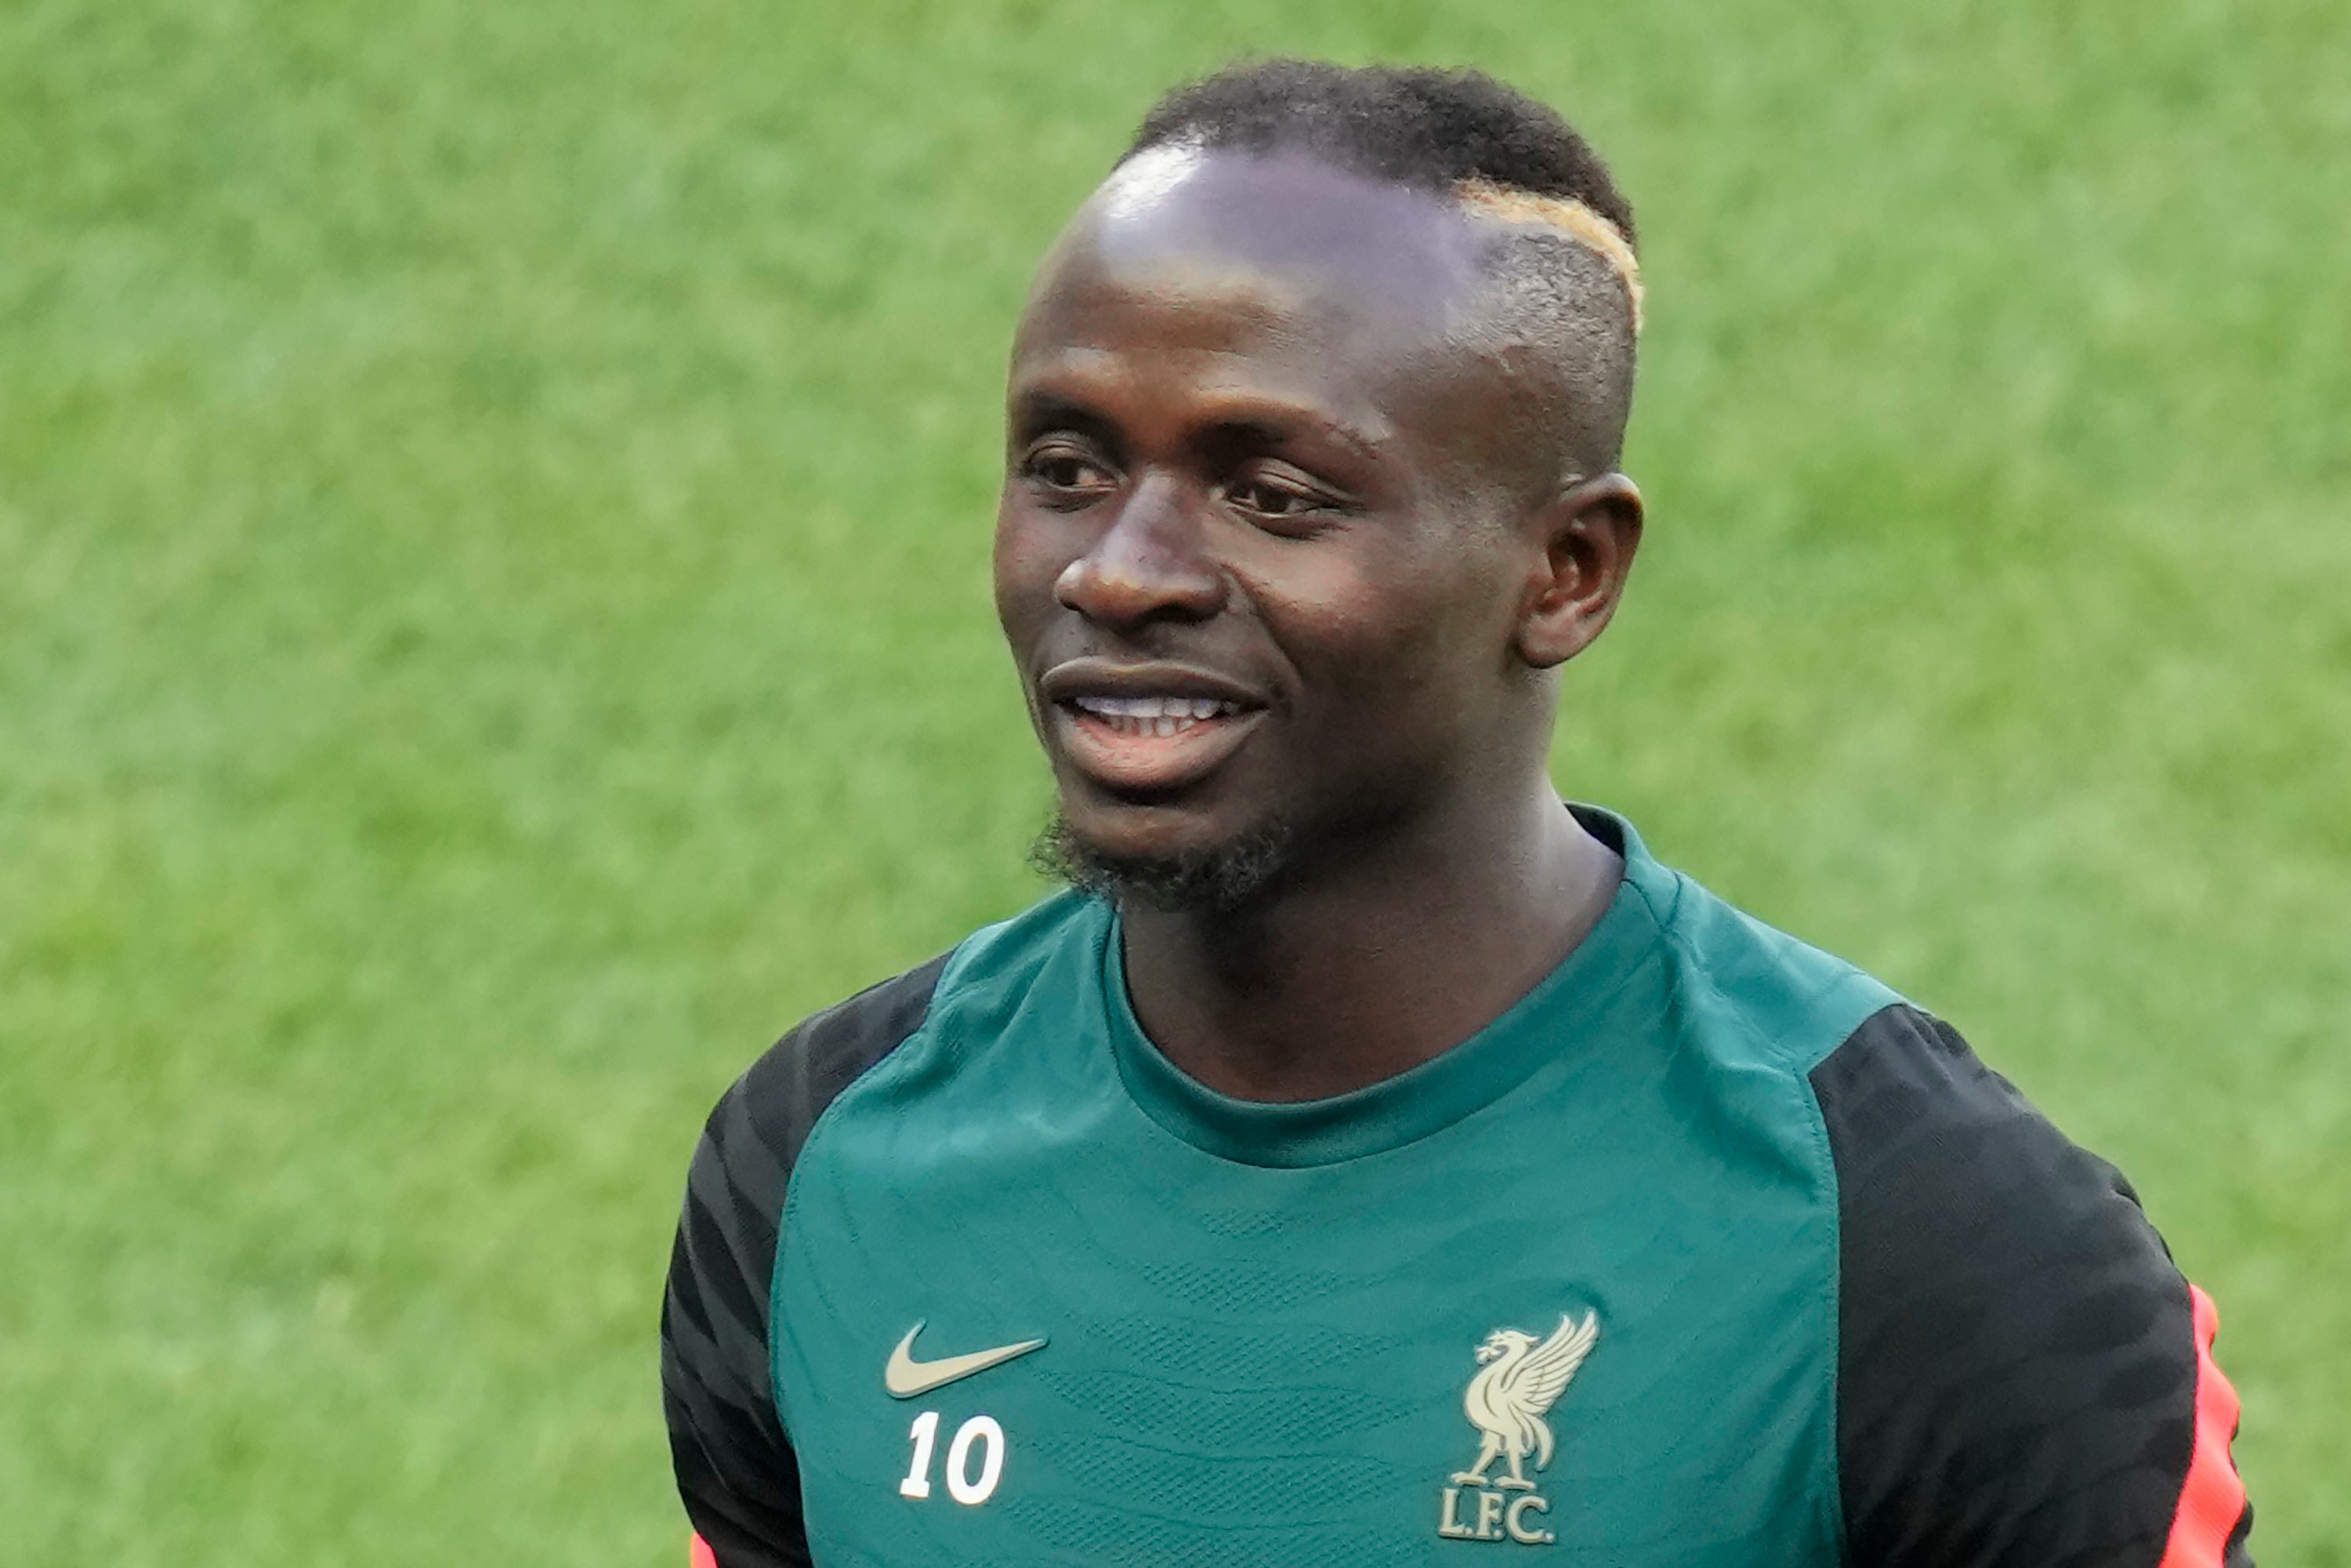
[1522,1378]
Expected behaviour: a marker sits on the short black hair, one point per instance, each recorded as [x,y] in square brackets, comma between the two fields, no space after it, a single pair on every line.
[1415,125]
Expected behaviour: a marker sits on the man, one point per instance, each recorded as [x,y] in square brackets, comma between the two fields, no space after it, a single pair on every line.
[1371,1159]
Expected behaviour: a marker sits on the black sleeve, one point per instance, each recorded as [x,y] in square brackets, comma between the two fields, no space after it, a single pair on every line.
[735,1466]
[2024,1378]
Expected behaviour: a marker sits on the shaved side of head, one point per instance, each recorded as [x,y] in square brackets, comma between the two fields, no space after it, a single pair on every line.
[1555,313]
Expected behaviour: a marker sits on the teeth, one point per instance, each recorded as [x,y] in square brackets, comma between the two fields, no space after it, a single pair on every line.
[1153,716]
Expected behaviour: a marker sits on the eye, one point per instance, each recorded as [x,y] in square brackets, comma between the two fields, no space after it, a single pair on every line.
[1281,496]
[1270,501]
[1070,471]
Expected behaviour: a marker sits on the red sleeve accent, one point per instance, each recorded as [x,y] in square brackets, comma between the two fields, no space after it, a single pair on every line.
[701,1556]
[2212,1499]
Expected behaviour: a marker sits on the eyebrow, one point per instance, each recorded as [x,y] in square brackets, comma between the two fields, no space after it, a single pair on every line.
[1250,417]
[1052,408]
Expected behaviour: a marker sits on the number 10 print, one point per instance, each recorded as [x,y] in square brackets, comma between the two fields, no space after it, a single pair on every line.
[979,1432]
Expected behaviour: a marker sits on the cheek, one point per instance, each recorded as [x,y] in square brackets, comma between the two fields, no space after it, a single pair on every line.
[1027,562]
[1395,645]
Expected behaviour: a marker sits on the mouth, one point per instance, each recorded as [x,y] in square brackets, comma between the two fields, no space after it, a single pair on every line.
[1139,729]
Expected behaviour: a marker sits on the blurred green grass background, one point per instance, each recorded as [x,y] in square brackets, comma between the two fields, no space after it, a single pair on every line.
[493,508]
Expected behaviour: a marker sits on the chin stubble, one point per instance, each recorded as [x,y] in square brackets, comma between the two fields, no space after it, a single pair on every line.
[1222,878]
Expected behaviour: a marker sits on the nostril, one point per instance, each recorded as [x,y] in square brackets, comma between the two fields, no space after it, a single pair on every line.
[1152,558]
[1129,586]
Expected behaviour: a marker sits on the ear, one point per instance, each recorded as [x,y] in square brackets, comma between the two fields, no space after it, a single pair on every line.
[1586,537]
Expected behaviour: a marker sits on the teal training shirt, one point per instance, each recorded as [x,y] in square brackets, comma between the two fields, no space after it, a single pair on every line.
[969,1272]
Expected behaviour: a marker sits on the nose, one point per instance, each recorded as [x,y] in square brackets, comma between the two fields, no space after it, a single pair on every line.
[1151,562]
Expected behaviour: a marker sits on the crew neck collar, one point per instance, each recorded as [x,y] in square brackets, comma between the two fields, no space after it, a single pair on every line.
[1572,1003]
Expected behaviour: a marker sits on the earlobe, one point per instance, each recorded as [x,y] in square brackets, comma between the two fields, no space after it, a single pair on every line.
[1586,537]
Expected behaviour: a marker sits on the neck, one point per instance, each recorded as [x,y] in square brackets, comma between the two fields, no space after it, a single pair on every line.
[1379,965]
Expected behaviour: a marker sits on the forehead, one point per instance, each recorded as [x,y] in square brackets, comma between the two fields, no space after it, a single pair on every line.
[1281,266]
[1290,215]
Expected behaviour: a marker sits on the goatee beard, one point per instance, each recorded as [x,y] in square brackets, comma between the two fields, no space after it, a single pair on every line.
[1222,879]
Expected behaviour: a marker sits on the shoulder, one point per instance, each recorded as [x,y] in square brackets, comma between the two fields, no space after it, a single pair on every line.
[737,1471]
[761,1124]
[1951,1184]
[742,1168]
[1755,991]
[2023,1373]
[763,1120]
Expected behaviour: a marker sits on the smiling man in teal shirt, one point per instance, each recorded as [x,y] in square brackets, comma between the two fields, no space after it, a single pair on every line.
[1372,1160]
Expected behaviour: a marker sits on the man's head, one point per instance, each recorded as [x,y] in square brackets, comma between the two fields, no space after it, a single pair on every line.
[1314,420]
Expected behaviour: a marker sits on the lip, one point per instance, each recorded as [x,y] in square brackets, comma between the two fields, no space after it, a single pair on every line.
[1126,762]
[1074,679]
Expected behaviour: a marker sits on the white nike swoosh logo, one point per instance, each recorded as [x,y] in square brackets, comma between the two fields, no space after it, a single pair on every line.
[904,1377]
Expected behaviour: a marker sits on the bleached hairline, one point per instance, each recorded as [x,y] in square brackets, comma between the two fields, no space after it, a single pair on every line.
[1588,228]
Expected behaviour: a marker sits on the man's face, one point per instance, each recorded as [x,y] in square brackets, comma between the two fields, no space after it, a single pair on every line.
[1255,554]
